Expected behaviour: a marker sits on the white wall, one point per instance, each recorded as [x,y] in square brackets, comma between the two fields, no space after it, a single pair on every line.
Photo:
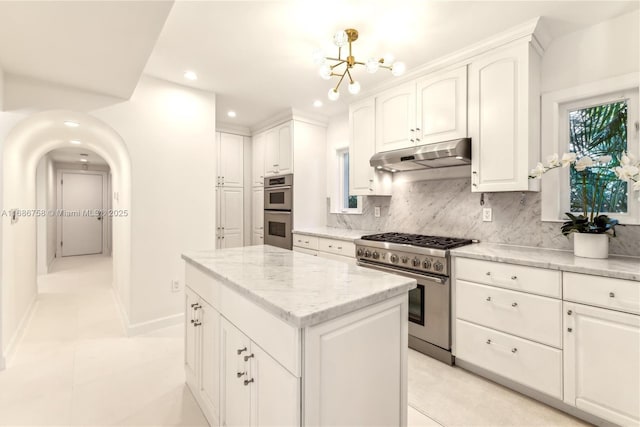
[46,225]
[604,50]
[337,138]
[170,133]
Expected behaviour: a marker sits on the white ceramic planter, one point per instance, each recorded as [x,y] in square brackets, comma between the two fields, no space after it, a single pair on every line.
[589,245]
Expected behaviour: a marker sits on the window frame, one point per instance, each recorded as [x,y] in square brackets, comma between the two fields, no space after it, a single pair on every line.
[555,129]
[340,152]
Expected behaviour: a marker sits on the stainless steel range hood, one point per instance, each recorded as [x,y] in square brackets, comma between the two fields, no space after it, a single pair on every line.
[456,152]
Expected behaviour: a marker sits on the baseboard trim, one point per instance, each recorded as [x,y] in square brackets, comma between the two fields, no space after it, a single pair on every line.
[12,345]
[152,325]
[534,394]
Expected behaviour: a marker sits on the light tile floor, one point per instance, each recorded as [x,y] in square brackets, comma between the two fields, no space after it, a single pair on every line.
[75,366]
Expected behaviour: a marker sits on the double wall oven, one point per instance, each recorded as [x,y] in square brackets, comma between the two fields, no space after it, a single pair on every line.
[278,211]
[425,259]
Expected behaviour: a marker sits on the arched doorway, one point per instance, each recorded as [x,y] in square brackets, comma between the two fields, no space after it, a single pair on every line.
[27,142]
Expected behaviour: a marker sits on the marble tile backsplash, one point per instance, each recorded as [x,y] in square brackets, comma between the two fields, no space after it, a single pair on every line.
[449,208]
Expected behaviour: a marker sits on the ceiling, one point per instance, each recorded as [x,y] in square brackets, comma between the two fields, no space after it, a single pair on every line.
[256,55]
[72,155]
[99,46]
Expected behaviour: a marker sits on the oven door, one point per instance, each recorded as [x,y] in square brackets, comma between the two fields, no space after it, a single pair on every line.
[278,198]
[277,229]
[429,306]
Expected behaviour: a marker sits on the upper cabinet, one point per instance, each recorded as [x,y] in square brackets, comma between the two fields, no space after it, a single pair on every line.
[230,160]
[257,159]
[278,151]
[504,118]
[430,109]
[363,179]
[441,106]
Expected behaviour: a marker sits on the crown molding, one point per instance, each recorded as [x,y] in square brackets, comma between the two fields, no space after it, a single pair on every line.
[233,129]
[287,115]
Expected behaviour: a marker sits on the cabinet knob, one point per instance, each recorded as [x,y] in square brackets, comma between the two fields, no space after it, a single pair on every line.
[249,357]
[197,323]
[241,350]
[570,312]
[612,295]
[417,139]
[514,277]
[515,304]
[488,273]
[330,246]
[412,130]
[340,247]
[488,298]
[306,241]
[514,350]
[417,128]
[411,140]
[247,382]
[475,185]
[474,172]
[569,329]
[239,374]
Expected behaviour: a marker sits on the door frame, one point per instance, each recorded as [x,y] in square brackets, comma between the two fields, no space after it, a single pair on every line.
[105,200]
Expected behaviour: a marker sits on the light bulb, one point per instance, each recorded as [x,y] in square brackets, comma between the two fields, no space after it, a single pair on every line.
[398,68]
[190,75]
[389,58]
[325,71]
[318,57]
[354,88]
[340,38]
[372,65]
[333,94]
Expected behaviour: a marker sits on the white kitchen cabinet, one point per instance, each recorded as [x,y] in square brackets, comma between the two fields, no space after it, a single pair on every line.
[257,160]
[278,153]
[441,106]
[202,357]
[230,229]
[396,118]
[601,362]
[257,214]
[364,180]
[230,160]
[335,249]
[236,395]
[504,118]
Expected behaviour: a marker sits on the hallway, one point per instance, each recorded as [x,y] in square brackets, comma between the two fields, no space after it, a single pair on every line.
[75,366]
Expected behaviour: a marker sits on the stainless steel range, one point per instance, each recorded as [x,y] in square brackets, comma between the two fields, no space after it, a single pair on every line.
[426,259]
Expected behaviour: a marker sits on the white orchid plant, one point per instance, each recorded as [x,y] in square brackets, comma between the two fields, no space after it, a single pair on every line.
[591,221]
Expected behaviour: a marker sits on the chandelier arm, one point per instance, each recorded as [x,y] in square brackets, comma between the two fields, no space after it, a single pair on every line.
[337,65]
[340,53]
[350,78]
[340,81]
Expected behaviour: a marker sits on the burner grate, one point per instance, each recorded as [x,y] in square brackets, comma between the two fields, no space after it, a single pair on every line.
[432,242]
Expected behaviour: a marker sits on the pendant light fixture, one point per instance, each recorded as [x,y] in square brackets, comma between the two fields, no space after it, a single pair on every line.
[332,66]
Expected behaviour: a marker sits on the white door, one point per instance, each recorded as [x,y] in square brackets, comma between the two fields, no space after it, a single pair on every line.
[236,396]
[285,149]
[230,160]
[82,222]
[601,362]
[231,217]
[396,118]
[362,146]
[209,320]
[257,175]
[271,152]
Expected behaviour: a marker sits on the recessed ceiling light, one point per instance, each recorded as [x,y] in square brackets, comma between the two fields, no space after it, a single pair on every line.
[71,124]
[393,170]
[190,75]
[75,142]
[231,114]
[379,167]
[317,103]
[459,157]
[84,160]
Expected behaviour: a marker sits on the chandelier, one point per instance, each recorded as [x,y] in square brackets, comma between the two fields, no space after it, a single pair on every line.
[334,69]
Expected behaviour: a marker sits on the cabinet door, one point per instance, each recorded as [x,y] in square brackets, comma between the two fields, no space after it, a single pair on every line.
[285,149]
[396,118]
[498,117]
[258,239]
[271,152]
[362,146]
[442,106]
[235,395]
[601,369]
[230,160]
[257,213]
[231,217]
[209,353]
[191,339]
[275,399]
[257,159]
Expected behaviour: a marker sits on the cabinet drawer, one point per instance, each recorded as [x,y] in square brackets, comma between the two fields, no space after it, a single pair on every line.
[338,247]
[342,258]
[304,241]
[528,316]
[616,294]
[203,285]
[305,251]
[518,277]
[533,365]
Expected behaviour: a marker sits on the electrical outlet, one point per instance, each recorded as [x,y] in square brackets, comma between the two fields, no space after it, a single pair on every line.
[376,211]
[175,286]
[486,214]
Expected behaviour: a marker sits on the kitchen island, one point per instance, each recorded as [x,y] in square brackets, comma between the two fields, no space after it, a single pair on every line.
[275,337]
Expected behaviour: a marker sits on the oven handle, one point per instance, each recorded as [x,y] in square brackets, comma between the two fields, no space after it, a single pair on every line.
[277,212]
[439,280]
[284,187]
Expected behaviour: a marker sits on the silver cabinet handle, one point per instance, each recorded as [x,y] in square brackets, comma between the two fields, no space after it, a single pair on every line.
[570,312]
[330,246]
[196,323]
[514,277]
[612,295]
[249,357]
[515,304]
[239,374]
[241,350]
[306,241]
[488,298]
[247,382]
[569,329]
[340,247]
[514,350]
[488,273]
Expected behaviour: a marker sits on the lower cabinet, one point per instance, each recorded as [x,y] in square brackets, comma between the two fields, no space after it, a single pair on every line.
[202,356]
[336,249]
[602,362]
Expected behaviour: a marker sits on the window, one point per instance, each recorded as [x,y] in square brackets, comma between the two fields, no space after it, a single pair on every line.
[347,203]
[592,120]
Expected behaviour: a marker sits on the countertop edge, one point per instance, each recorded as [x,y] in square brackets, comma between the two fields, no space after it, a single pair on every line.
[311,319]
[334,236]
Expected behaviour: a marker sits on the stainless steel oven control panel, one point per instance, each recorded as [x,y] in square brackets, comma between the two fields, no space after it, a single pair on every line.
[410,260]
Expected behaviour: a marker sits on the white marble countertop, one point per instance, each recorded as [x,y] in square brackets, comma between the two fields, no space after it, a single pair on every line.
[615,266]
[333,233]
[301,289]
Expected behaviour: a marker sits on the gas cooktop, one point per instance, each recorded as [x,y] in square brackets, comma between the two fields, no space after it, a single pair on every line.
[422,241]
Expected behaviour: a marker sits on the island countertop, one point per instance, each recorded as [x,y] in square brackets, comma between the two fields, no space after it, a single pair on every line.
[300,289]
